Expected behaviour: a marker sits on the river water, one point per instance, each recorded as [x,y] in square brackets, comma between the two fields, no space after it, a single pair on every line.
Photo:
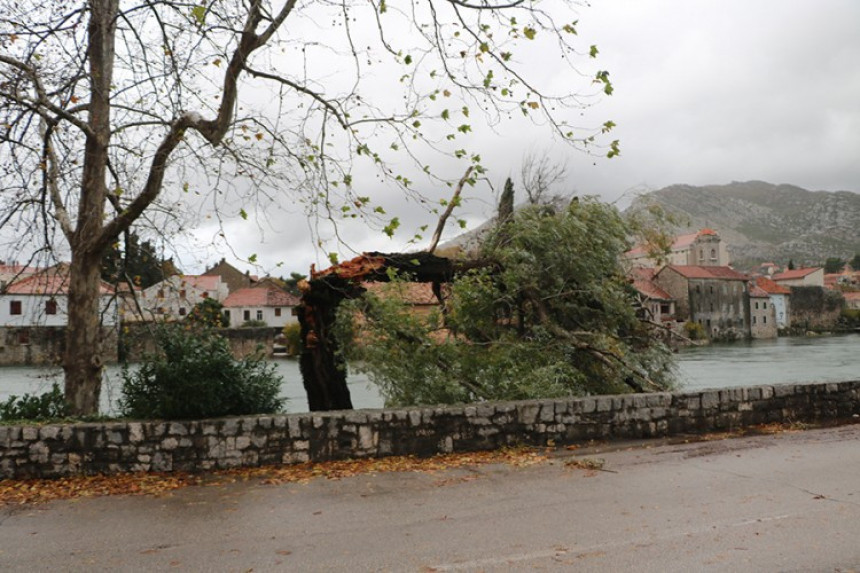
[805,359]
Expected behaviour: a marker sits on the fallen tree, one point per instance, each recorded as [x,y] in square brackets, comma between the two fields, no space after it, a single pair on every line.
[544,310]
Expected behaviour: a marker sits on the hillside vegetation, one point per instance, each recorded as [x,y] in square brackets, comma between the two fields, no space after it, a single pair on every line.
[764,222]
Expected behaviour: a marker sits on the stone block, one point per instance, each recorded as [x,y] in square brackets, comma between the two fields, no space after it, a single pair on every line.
[528,414]
[29,433]
[242,442]
[169,444]
[366,438]
[49,432]
[603,404]
[135,432]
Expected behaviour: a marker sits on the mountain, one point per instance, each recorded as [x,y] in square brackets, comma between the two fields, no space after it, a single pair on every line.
[764,222]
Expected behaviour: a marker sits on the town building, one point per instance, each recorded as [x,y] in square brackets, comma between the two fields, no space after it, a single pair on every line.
[656,303]
[716,297]
[812,276]
[231,276]
[174,297]
[780,299]
[763,322]
[269,305]
[703,248]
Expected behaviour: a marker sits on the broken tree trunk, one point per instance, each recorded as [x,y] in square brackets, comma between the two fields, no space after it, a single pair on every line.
[323,367]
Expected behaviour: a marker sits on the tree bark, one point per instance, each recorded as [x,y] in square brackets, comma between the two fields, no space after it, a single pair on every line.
[82,362]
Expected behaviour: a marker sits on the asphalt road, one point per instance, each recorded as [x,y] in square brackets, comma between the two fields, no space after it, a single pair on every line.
[787,502]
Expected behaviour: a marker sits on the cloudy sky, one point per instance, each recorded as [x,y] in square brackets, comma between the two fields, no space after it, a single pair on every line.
[706,92]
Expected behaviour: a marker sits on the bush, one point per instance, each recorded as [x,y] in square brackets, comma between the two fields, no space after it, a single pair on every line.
[695,331]
[47,406]
[293,336]
[254,324]
[195,376]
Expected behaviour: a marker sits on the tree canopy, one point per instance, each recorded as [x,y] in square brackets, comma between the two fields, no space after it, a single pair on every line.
[549,313]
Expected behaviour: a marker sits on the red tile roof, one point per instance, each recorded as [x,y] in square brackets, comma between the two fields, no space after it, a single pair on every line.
[697,272]
[650,290]
[758,292]
[260,297]
[795,274]
[51,281]
[202,282]
[771,287]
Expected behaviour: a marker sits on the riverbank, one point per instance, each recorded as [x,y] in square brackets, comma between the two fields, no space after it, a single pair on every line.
[719,365]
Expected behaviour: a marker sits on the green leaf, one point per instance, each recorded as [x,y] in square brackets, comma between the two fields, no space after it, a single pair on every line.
[332,257]
[391,227]
[593,51]
[199,14]
[243,214]
[445,114]
[407,60]
[529,32]
[253,258]
[465,128]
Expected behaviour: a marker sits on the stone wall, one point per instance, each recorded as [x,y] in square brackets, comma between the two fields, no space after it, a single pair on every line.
[44,345]
[59,450]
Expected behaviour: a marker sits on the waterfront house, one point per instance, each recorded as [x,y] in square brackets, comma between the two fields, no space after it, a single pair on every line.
[716,297]
[780,300]
[658,305]
[269,305]
[41,299]
[763,322]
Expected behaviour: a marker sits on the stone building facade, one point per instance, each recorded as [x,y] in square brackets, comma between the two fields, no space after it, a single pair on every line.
[717,298]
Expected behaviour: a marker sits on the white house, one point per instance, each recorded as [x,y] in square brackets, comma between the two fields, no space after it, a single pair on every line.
[42,300]
[174,297]
[266,304]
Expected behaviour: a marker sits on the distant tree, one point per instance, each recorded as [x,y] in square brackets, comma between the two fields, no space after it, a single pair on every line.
[291,285]
[135,261]
[506,202]
[209,313]
[855,262]
[791,264]
[834,265]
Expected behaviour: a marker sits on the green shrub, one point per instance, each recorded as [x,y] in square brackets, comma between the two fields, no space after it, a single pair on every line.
[293,335]
[47,406]
[695,331]
[195,376]
[254,324]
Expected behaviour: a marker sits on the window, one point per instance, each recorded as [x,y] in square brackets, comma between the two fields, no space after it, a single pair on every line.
[160,293]
[160,310]
[278,311]
[712,307]
[713,255]
[756,306]
[712,289]
[754,319]
[15,307]
[182,311]
[259,315]
[764,320]
[51,307]
[764,305]
[23,337]
[182,293]
[226,317]
[246,315]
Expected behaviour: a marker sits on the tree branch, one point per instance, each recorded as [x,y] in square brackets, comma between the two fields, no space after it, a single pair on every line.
[455,200]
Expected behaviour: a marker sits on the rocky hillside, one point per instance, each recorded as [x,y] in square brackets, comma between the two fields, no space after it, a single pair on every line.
[765,222]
